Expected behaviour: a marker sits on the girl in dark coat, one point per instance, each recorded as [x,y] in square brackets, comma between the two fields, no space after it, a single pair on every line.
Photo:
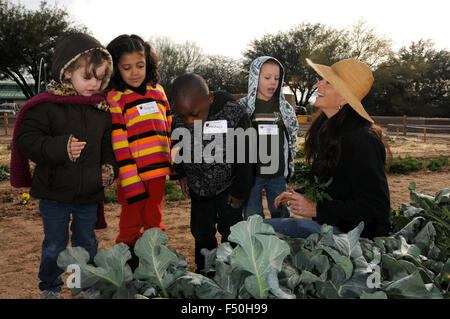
[344,145]
[66,132]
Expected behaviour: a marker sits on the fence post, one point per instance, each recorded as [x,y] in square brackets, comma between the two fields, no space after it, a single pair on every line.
[404,125]
[424,134]
[5,117]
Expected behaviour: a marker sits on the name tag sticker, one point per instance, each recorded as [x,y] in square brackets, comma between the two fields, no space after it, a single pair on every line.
[268,129]
[214,127]
[148,108]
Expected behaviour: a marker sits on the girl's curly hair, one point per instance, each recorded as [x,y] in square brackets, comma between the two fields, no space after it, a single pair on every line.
[127,44]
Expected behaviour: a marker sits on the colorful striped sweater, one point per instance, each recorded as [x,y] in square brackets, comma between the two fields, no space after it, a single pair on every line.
[141,128]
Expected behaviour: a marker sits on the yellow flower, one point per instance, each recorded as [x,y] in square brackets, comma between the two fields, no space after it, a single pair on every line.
[397,213]
[25,198]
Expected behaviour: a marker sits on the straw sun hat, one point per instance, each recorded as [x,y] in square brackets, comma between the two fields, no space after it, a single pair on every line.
[351,78]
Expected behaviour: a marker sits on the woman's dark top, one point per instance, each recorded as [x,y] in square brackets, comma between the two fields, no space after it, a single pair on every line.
[359,189]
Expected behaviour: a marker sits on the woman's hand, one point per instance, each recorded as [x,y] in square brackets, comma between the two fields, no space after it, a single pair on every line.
[297,204]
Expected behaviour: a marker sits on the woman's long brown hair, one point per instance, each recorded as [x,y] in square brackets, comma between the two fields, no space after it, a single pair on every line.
[326,152]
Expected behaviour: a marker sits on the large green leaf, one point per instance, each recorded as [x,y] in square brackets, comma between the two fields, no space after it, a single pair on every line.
[275,289]
[343,261]
[356,286]
[348,243]
[406,249]
[411,229]
[412,286]
[307,278]
[156,260]
[442,196]
[78,256]
[192,285]
[112,274]
[326,236]
[392,270]
[425,240]
[289,276]
[410,211]
[444,275]
[387,244]
[226,277]
[258,252]
[302,260]
[112,267]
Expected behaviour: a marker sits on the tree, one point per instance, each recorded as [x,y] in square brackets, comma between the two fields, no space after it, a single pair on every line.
[175,59]
[314,41]
[223,73]
[416,82]
[27,37]
[220,72]
[364,44]
[322,45]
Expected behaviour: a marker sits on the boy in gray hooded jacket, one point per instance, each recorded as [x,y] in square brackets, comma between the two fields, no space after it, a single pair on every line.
[276,125]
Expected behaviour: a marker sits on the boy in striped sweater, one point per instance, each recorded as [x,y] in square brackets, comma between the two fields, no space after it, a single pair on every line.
[141,128]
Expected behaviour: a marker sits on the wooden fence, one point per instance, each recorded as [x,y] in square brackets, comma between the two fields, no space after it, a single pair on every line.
[406,124]
[402,125]
[5,120]
[396,124]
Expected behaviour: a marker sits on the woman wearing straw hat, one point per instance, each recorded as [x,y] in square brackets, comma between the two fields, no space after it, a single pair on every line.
[343,144]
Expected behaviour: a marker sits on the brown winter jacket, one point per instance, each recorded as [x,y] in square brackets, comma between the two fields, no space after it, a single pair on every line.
[46,124]
[43,137]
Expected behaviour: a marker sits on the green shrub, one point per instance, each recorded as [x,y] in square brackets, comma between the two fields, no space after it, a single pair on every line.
[403,165]
[300,153]
[436,164]
[301,172]
[173,192]
[4,172]
[111,194]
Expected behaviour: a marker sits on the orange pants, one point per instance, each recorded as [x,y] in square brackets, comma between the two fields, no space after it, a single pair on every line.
[140,216]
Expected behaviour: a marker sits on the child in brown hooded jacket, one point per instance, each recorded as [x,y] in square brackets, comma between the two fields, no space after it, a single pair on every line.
[66,132]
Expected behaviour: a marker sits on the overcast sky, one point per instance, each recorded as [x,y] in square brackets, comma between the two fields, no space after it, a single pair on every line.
[227,26]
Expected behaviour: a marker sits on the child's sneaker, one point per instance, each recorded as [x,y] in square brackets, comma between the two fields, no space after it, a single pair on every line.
[91,294]
[51,294]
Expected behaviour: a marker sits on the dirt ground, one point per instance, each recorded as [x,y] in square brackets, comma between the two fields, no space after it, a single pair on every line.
[21,231]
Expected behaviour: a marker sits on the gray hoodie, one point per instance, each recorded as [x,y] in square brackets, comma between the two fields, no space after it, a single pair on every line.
[286,110]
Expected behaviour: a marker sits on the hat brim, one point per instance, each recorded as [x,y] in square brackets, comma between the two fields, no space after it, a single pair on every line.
[339,85]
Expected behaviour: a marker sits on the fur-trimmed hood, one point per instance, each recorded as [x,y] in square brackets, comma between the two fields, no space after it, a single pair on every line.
[70,48]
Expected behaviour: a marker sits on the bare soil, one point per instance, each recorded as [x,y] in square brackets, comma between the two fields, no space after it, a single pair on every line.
[21,232]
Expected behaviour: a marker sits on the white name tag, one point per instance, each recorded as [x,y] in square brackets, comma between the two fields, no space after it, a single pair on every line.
[214,127]
[268,129]
[148,108]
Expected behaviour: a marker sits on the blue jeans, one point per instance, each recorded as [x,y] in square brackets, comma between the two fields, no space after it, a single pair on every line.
[273,187]
[296,228]
[55,219]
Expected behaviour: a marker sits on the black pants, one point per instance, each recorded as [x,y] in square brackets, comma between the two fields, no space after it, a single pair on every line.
[205,214]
